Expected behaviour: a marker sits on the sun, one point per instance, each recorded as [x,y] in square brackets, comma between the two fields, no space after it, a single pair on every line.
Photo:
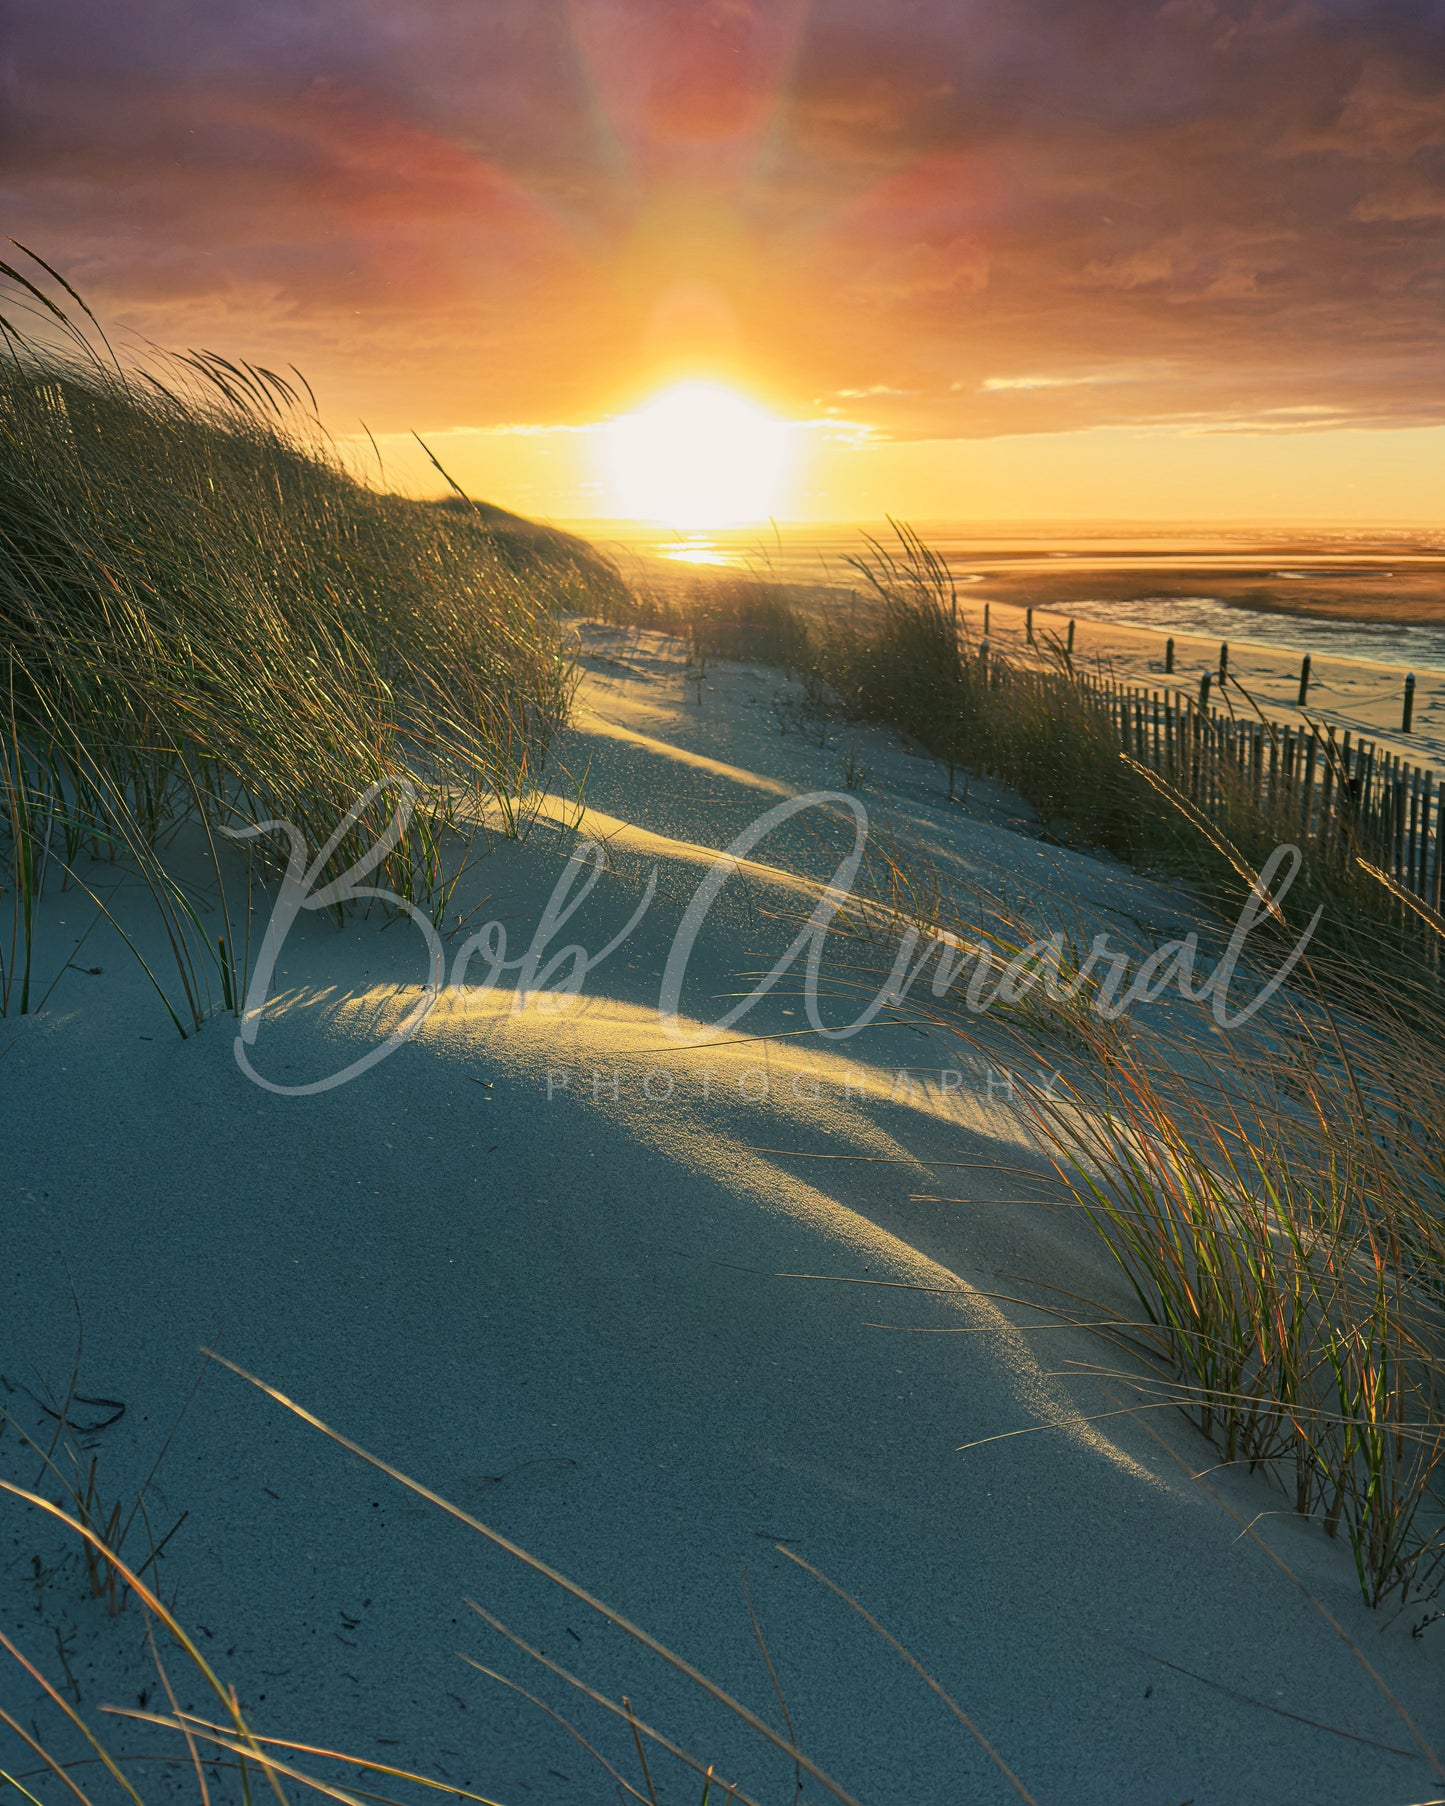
[698,456]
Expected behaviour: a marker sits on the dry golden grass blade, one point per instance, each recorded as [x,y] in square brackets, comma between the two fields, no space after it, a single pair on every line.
[641,1751]
[24,1792]
[202,1787]
[618,1710]
[192,1724]
[624,1786]
[777,1685]
[1198,820]
[913,1662]
[1407,897]
[583,1597]
[248,1751]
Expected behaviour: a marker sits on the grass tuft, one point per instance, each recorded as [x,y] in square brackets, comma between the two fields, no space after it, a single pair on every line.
[204,618]
[1275,1199]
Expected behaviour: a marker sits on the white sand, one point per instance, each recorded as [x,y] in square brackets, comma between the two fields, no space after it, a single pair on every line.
[567,1315]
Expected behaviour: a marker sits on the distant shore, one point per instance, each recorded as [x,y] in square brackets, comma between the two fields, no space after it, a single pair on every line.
[1357,683]
[1373,580]
[1408,596]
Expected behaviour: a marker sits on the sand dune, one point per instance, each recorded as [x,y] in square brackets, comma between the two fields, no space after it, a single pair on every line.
[651,1308]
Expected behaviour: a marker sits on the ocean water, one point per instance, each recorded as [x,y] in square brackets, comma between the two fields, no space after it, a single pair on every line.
[1214,584]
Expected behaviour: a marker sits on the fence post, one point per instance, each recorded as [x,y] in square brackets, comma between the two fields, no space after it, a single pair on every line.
[1029,625]
[1071,638]
[987,611]
[1397,835]
[1304,681]
[1412,834]
[1365,767]
[1407,720]
[1348,798]
[1203,689]
[1168,658]
[1327,796]
[1223,663]
[1307,788]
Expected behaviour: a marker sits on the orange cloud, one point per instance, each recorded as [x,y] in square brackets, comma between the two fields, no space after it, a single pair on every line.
[467,215]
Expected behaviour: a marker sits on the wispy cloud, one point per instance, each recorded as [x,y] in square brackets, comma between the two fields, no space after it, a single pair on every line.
[993,385]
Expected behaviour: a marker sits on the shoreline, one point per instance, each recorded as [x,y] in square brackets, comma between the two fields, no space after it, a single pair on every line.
[1348,691]
[1344,584]
[1361,695]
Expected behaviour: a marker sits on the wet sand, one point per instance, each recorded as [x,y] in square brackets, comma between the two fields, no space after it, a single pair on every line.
[1362,698]
[1376,592]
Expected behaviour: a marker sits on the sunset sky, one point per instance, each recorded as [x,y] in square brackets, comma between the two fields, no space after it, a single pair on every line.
[985,258]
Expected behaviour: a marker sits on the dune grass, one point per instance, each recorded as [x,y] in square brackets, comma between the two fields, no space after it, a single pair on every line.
[224,1743]
[901,654]
[1275,1198]
[1272,1194]
[206,619]
[223,1747]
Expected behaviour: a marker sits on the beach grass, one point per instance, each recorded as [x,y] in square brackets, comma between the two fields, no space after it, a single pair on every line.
[226,1743]
[1274,1199]
[1271,1193]
[207,619]
[900,652]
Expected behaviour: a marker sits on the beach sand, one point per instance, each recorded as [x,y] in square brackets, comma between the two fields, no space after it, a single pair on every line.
[1402,587]
[647,1311]
[1347,694]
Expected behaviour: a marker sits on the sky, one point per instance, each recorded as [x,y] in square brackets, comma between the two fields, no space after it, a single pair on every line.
[986,258]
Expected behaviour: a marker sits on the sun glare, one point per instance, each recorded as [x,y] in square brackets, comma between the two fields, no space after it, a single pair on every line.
[699,455]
